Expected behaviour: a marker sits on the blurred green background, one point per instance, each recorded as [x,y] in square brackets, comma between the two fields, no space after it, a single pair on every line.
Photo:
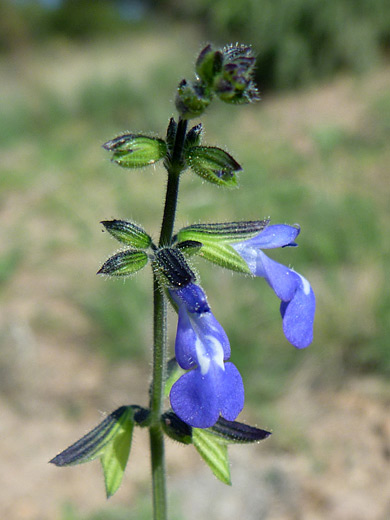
[315,151]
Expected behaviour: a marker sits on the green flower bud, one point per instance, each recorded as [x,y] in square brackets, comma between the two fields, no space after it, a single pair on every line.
[128,233]
[135,151]
[124,263]
[192,99]
[213,164]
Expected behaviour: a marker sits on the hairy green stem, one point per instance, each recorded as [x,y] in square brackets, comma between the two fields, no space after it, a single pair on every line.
[160,333]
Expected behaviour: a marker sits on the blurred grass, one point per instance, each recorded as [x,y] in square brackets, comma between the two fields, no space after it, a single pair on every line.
[57,184]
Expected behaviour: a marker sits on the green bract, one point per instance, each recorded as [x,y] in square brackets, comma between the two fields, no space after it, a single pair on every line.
[213,164]
[135,150]
[128,233]
[124,263]
[216,240]
[213,452]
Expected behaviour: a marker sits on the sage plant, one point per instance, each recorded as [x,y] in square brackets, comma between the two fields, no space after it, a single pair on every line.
[205,390]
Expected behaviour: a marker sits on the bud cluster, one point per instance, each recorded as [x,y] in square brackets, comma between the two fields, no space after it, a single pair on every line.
[227,73]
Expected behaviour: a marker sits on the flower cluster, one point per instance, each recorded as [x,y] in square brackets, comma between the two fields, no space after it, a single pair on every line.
[213,386]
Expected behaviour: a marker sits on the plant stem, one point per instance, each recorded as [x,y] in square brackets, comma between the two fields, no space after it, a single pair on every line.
[160,333]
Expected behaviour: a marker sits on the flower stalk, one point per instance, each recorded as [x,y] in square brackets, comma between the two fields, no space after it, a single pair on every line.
[174,167]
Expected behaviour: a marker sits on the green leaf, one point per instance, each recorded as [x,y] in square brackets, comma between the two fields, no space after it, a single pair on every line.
[116,454]
[136,150]
[94,443]
[213,164]
[213,452]
[124,263]
[128,233]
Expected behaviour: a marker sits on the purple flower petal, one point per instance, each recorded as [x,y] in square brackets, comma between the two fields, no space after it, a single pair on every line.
[278,235]
[200,338]
[298,301]
[199,399]
[298,315]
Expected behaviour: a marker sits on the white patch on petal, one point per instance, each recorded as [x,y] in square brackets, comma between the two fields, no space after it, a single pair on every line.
[203,357]
[305,284]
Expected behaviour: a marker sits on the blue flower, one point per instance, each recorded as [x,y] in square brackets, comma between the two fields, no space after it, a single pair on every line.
[211,387]
[297,298]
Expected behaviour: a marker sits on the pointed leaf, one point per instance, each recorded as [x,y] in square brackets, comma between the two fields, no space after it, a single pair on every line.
[93,444]
[128,233]
[213,453]
[213,164]
[124,263]
[115,456]
[136,150]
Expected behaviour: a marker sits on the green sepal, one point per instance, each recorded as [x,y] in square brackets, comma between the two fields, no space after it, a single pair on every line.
[128,233]
[216,240]
[234,432]
[176,429]
[213,164]
[213,452]
[124,263]
[208,64]
[172,268]
[229,232]
[136,150]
